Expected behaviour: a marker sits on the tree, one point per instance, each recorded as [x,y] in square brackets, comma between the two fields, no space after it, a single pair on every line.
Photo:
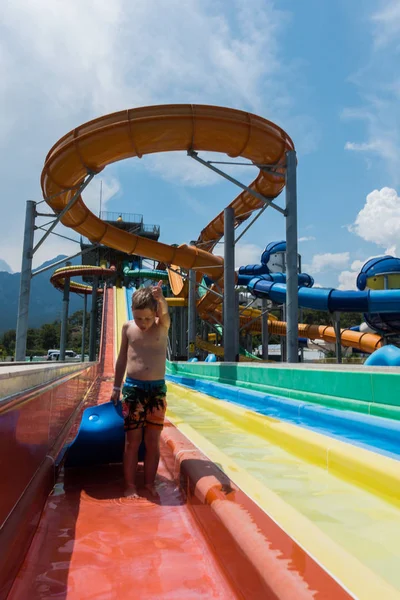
[8,341]
[49,336]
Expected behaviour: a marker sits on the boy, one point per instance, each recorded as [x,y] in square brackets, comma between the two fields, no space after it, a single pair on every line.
[142,354]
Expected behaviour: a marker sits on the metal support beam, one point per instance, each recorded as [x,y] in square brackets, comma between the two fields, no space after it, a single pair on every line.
[65,209]
[63,260]
[248,189]
[230,341]
[236,324]
[25,282]
[64,318]
[264,329]
[93,321]
[192,315]
[174,316]
[292,307]
[83,347]
[258,215]
[338,342]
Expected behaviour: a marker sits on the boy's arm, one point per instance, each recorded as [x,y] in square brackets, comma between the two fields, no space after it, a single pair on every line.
[162,306]
[120,365]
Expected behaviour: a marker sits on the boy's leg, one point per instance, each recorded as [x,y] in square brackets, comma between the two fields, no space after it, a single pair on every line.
[133,439]
[152,442]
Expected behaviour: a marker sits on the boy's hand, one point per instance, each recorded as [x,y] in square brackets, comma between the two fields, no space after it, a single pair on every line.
[157,291]
[115,397]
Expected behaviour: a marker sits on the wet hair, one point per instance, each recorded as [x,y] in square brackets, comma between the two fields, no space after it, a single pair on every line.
[143,298]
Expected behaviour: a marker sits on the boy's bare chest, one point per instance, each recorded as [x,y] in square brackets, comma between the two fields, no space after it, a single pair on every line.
[149,341]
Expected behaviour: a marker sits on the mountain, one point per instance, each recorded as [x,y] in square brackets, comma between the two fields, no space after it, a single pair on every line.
[5,266]
[45,301]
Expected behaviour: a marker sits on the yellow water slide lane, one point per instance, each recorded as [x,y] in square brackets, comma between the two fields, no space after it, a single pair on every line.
[339,502]
[121,312]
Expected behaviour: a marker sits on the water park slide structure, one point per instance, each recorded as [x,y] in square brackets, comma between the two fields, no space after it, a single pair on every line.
[143,273]
[90,147]
[59,276]
[212,541]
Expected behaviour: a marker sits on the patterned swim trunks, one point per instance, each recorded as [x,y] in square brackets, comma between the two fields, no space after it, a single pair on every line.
[143,403]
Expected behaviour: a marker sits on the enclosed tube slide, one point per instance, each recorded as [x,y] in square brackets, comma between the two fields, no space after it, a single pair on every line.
[369,301]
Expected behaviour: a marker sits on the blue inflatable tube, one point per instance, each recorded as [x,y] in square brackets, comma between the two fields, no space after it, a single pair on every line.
[387,356]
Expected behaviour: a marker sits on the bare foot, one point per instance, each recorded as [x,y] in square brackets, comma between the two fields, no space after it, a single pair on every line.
[131,492]
[150,487]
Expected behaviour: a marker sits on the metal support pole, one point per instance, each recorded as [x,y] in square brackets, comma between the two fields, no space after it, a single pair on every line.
[66,208]
[192,315]
[173,332]
[251,191]
[338,343]
[236,326]
[230,344]
[84,328]
[25,282]
[292,307]
[264,329]
[64,318]
[93,322]
[283,338]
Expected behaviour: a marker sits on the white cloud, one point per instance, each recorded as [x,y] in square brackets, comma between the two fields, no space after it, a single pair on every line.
[107,187]
[328,261]
[379,219]
[387,24]
[81,60]
[179,167]
[362,147]
[379,88]
[306,238]
[247,254]
[347,280]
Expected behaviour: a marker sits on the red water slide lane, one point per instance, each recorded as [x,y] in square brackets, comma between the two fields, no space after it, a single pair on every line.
[210,542]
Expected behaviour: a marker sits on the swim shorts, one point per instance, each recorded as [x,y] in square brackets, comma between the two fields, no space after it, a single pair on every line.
[143,403]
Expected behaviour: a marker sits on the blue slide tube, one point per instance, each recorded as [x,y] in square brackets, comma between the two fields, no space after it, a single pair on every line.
[370,301]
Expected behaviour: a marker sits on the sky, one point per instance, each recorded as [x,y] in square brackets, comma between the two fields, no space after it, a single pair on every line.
[326,71]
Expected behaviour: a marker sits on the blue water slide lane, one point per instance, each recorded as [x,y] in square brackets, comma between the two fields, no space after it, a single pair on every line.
[129,293]
[376,434]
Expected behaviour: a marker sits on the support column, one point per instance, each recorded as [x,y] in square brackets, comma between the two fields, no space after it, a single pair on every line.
[93,321]
[264,330]
[230,343]
[192,315]
[283,338]
[173,332]
[291,258]
[236,325]
[84,328]
[338,343]
[64,317]
[25,282]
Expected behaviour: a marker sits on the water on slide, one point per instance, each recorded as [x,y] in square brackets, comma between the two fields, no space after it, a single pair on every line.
[364,525]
